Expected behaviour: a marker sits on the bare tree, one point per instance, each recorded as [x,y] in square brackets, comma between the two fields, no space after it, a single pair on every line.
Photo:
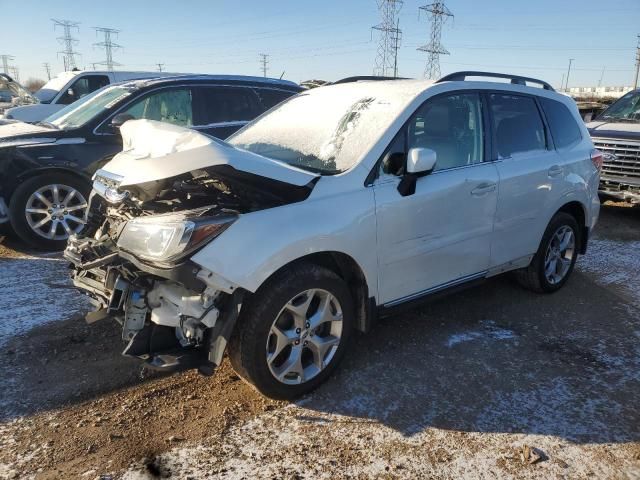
[34,84]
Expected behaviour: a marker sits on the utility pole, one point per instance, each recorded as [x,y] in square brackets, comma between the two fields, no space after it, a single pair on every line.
[68,55]
[108,46]
[264,61]
[566,87]
[601,77]
[47,68]
[5,62]
[562,82]
[160,65]
[635,80]
[390,36]
[438,14]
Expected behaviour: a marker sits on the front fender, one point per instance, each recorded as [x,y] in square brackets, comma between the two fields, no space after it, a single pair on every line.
[260,243]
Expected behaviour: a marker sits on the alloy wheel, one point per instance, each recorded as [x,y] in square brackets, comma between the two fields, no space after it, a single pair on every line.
[304,336]
[56,211]
[559,255]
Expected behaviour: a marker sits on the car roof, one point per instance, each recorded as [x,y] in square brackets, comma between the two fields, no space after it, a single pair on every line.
[218,79]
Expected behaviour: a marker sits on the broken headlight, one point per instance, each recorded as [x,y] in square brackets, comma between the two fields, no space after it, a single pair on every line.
[167,237]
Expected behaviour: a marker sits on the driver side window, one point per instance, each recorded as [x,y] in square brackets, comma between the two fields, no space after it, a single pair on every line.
[170,106]
[452,127]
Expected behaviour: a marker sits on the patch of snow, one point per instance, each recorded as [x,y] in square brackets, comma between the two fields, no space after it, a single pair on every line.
[35,290]
[614,263]
[489,330]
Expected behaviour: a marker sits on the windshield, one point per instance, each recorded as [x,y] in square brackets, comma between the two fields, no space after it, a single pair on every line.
[85,109]
[53,86]
[327,130]
[13,92]
[625,109]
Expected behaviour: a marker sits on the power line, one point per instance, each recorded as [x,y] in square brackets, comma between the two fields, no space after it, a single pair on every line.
[390,35]
[264,61]
[47,68]
[438,14]
[68,54]
[108,45]
[5,62]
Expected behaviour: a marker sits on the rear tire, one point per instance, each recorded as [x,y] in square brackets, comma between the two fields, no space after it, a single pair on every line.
[285,354]
[25,224]
[543,275]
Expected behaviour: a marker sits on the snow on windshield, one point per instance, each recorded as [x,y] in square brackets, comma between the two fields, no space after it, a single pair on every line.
[328,129]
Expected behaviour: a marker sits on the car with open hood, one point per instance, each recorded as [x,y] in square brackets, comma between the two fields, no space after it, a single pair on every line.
[337,206]
[616,132]
[13,94]
[46,168]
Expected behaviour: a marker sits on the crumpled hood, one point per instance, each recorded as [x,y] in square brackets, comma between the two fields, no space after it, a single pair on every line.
[602,128]
[154,151]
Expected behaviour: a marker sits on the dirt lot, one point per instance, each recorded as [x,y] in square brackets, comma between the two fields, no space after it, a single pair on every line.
[475,385]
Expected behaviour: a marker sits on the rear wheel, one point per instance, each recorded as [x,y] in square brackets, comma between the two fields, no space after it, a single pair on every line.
[293,331]
[46,209]
[556,256]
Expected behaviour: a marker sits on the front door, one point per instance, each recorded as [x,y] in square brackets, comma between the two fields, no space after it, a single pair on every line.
[441,234]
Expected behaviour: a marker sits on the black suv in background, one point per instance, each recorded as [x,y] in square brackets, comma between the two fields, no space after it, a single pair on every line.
[45,169]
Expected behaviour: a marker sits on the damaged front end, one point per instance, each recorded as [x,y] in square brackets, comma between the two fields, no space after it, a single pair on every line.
[133,258]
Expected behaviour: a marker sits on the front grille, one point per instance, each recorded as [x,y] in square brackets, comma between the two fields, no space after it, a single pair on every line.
[625,167]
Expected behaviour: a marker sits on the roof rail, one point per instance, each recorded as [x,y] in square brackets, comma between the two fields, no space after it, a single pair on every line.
[515,79]
[365,77]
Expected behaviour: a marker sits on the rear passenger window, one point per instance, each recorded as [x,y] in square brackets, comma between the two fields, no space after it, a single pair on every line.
[564,130]
[517,125]
[270,98]
[226,104]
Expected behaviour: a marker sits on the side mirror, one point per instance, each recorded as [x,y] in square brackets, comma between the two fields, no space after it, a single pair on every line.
[588,117]
[120,119]
[420,162]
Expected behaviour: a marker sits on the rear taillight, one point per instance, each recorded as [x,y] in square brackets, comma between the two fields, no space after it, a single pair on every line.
[597,158]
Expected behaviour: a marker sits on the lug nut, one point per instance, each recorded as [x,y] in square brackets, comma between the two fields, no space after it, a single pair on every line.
[305,343]
[298,330]
[307,325]
[50,211]
[297,342]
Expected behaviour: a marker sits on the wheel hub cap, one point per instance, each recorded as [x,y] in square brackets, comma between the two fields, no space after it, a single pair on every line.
[304,336]
[56,211]
[559,256]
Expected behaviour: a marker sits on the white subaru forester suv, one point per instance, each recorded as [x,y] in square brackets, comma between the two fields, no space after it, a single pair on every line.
[330,209]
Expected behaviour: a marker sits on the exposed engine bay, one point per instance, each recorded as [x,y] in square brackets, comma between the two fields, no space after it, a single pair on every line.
[132,260]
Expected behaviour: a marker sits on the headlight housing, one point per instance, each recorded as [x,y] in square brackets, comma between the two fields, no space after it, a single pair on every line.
[166,238]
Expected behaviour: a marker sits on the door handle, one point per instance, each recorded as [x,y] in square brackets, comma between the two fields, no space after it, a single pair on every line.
[483,189]
[555,171]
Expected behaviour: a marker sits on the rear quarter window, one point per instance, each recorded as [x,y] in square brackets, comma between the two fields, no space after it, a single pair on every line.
[564,130]
[517,124]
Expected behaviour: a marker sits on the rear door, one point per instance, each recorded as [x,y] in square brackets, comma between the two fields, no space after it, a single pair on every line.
[441,234]
[221,110]
[529,172]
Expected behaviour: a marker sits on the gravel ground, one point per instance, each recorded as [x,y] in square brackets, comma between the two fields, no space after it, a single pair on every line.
[493,382]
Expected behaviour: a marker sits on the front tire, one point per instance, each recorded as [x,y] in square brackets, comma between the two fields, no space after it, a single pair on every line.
[555,259]
[45,209]
[293,331]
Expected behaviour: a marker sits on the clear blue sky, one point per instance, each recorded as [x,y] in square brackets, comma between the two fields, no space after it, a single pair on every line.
[331,39]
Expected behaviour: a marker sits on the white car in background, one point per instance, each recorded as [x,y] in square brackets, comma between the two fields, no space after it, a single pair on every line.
[336,206]
[68,87]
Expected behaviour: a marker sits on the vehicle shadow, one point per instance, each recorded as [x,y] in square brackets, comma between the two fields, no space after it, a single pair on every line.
[498,359]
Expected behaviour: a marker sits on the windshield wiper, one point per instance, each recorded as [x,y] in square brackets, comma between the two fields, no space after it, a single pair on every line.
[48,125]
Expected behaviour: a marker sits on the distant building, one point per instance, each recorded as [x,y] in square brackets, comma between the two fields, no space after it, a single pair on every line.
[598,92]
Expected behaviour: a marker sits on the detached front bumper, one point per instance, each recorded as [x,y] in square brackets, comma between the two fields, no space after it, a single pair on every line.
[170,317]
[4,211]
